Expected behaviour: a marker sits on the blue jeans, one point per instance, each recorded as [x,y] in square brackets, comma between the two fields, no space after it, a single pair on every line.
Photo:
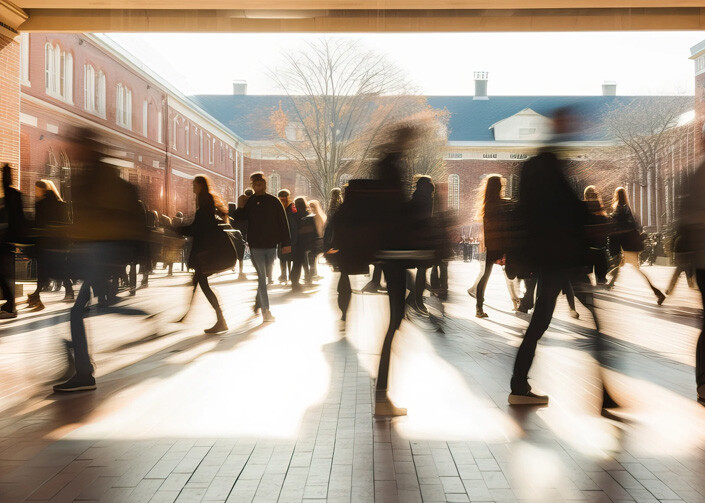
[262,259]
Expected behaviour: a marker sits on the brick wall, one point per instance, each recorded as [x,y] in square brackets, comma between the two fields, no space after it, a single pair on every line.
[10,102]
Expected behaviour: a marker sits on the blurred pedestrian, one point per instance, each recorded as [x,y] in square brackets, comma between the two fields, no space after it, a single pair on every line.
[267,228]
[320,218]
[627,240]
[286,259]
[14,227]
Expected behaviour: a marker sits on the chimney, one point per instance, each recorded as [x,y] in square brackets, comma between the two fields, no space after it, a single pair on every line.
[481,85]
[609,88]
[239,87]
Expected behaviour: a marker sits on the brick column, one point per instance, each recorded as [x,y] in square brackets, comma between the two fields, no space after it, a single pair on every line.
[10,101]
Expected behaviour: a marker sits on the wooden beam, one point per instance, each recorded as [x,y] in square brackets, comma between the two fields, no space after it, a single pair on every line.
[354,4]
[11,16]
[46,20]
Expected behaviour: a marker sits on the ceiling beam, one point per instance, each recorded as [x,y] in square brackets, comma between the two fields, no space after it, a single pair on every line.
[523,20]
[353,4]
[11,16]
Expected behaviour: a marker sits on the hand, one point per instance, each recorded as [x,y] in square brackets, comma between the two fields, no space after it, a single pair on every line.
[242,201]
[286,250]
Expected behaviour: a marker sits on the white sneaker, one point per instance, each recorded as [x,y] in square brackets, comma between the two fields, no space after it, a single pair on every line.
[267,316]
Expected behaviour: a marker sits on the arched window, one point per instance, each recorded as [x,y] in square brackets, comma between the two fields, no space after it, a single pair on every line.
[123,106]
[275,183]
[188,140]
[58,73]
[89,88]
[302,186]
[454,192]
[100,94]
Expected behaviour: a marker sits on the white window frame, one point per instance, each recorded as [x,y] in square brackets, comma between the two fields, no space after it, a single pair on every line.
[211,151]
[275,183]
[145,118]
[174,126]
[58,73]
[100,94]
[454,192]
[89,88]
[24,59]
[187,135]
[160,131]
[123,106]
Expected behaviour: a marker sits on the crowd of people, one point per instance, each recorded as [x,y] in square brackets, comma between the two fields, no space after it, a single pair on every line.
[549,238]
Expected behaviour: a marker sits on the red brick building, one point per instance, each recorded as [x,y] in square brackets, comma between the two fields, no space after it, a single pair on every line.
[157,137]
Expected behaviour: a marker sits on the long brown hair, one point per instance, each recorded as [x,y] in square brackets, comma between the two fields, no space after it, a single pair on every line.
[620,197]
[207,193]
[490,193]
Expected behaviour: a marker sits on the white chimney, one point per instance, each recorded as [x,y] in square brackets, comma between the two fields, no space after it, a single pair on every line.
[481,85]
[609,88]
[239,87]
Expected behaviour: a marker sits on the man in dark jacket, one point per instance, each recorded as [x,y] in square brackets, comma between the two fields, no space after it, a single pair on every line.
[15,226]
[556,248]
[267,227]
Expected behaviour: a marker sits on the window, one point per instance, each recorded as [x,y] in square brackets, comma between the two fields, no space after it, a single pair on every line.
[275,183]
[58,73]
[200,149]
[454,192]
[174,126]
[93,90]
[123,107]
[188,140]
[145,117]
[454,155]
[211,151]
[512,191]
[89,88]
[302,186]
[525,131]
[699,64]
[24,58]
[159,127]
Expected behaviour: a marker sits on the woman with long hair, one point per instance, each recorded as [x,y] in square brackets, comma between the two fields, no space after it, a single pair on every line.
[320,218]
[627,240]
[209,205]
[494,211]
[49,210]
[336,199]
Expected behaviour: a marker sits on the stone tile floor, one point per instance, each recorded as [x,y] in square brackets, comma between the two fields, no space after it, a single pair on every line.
[283,411]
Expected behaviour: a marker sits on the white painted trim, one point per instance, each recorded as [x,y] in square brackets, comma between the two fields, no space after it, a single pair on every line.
[53,128]
[198,166]
[28,119]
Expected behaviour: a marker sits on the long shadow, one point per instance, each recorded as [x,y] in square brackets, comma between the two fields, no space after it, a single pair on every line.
[667,313]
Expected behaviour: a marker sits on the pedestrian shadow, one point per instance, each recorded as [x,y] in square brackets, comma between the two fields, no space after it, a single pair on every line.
[689,318]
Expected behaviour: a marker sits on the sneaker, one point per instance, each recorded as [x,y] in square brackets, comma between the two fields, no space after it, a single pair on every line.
[472,293]
[528,399]
[32,299]
[220,326]
[76,383]
[38,306]
[479,313]
[7,315]
[660,297]
[267,316]
[574,314]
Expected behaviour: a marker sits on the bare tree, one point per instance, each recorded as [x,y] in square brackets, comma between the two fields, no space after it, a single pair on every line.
[340,97]
[645,128]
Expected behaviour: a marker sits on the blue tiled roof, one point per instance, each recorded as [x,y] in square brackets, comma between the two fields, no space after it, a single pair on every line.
[470,120]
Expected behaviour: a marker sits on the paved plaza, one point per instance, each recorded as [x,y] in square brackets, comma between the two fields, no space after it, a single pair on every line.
[284,411]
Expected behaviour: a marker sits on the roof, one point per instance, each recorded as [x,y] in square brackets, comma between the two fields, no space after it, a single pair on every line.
[470,120]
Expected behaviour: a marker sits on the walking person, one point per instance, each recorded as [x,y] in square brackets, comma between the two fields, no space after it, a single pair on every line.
[692,236]
[306,234]
[286,259]
[267,229]
[209,207]
[627,240]
[320,218]
[14,229]
[556,249]
[108,226]
[495,212]
[51,216]
[421,209]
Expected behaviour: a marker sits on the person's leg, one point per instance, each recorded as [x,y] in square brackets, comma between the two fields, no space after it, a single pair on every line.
[220,324]
[527,301]
[259,259]
[395,275]
[569,294]
[419,287]
[7,283]
[659,295]
[344,295]
[513,289]
[549,286]
[674,279]
[297,265]
[482,284]
[700,348]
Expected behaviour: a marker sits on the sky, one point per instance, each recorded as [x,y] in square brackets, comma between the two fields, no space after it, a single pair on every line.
[440,63]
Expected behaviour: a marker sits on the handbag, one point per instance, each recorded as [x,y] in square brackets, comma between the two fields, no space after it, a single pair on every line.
[218,255]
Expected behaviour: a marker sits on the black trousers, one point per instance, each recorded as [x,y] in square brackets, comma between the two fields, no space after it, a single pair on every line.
[700,348]
[300,262]
[550,284]
[7,277]
[395,273]
[490,259]
[344,295]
